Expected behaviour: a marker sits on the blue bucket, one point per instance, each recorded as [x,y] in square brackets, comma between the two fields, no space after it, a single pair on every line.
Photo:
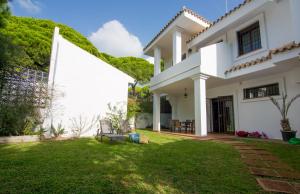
[134,137]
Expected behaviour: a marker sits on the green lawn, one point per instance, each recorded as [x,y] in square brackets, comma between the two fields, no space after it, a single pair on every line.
[167,165]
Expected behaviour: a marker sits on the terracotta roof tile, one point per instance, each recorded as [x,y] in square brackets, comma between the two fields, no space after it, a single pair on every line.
[184,9]
[284,48]
[220,19]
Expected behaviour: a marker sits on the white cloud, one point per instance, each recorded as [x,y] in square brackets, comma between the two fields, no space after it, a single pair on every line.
[149,59]
[113,38]
[30,6]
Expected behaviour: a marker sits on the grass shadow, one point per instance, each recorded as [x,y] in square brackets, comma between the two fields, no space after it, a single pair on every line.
[167,164]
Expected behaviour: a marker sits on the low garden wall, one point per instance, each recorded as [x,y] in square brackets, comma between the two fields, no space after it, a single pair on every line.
[144,120]
[20,139]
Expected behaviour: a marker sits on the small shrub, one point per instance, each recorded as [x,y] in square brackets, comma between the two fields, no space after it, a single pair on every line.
[14,119]
[58,131]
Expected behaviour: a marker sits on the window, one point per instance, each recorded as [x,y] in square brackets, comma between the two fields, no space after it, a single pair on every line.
[249,39]
[261,91]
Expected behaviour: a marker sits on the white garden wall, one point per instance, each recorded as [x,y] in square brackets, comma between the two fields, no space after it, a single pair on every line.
[83,86]
[143,120]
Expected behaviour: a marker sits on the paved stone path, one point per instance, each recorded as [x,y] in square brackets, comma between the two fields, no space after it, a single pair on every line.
[270,173]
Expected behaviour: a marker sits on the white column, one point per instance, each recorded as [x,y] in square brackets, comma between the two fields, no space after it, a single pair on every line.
[157,59]
[295,15]
[156,111]
[200,104]
[176,46]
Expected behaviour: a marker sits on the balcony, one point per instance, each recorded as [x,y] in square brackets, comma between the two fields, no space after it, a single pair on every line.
[211,60]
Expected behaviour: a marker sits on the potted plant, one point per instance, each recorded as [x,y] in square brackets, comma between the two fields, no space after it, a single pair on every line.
[287,132]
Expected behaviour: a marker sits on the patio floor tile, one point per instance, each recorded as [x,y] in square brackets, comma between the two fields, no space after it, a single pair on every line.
[275,185]
[263,172]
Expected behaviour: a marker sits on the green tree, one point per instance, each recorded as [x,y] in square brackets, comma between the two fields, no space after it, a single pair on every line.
[140,69]
[34,37]
[4,12]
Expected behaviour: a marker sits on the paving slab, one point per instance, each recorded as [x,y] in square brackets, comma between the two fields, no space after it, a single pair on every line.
[297,187]
[255,163]
[288,174]
[250,156]
[247,151]
[275,185]
[257,152]
[263,172]
[278,165]
[246,147]
[263,152]
[269,158]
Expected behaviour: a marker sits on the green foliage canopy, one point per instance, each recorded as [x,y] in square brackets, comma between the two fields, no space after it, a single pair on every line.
[34,36]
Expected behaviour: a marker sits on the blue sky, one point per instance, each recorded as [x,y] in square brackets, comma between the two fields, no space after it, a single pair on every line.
[140,18]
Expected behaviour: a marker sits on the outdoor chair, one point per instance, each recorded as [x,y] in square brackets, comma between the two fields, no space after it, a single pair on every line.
[188,126]
[106,130]
[177,125]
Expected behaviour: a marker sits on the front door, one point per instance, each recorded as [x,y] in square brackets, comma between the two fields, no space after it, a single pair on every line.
[223,114]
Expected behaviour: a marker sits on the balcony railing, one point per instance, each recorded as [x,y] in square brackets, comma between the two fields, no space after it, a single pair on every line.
[211,60]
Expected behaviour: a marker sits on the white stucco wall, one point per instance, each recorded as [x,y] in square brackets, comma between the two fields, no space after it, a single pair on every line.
[275,29]
[84,85]
[261,114]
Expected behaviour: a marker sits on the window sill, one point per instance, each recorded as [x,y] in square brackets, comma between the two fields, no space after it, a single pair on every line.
[250,54]
[260,99]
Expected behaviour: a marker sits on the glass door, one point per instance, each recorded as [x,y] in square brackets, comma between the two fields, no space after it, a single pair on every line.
[223,114]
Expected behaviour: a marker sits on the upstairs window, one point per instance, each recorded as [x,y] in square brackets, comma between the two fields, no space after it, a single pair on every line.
[249,39]
[261,91]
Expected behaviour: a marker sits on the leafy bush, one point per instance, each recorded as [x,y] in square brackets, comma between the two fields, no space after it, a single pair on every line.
[14,118]
[132,108]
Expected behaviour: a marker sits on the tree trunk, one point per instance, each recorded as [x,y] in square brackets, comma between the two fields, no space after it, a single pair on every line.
[133,89]
[285,124]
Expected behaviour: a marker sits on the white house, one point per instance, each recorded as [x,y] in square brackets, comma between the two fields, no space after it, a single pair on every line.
[82,87]
[221,73]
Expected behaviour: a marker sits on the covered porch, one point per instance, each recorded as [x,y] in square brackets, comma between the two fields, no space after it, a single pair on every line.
[192,111]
